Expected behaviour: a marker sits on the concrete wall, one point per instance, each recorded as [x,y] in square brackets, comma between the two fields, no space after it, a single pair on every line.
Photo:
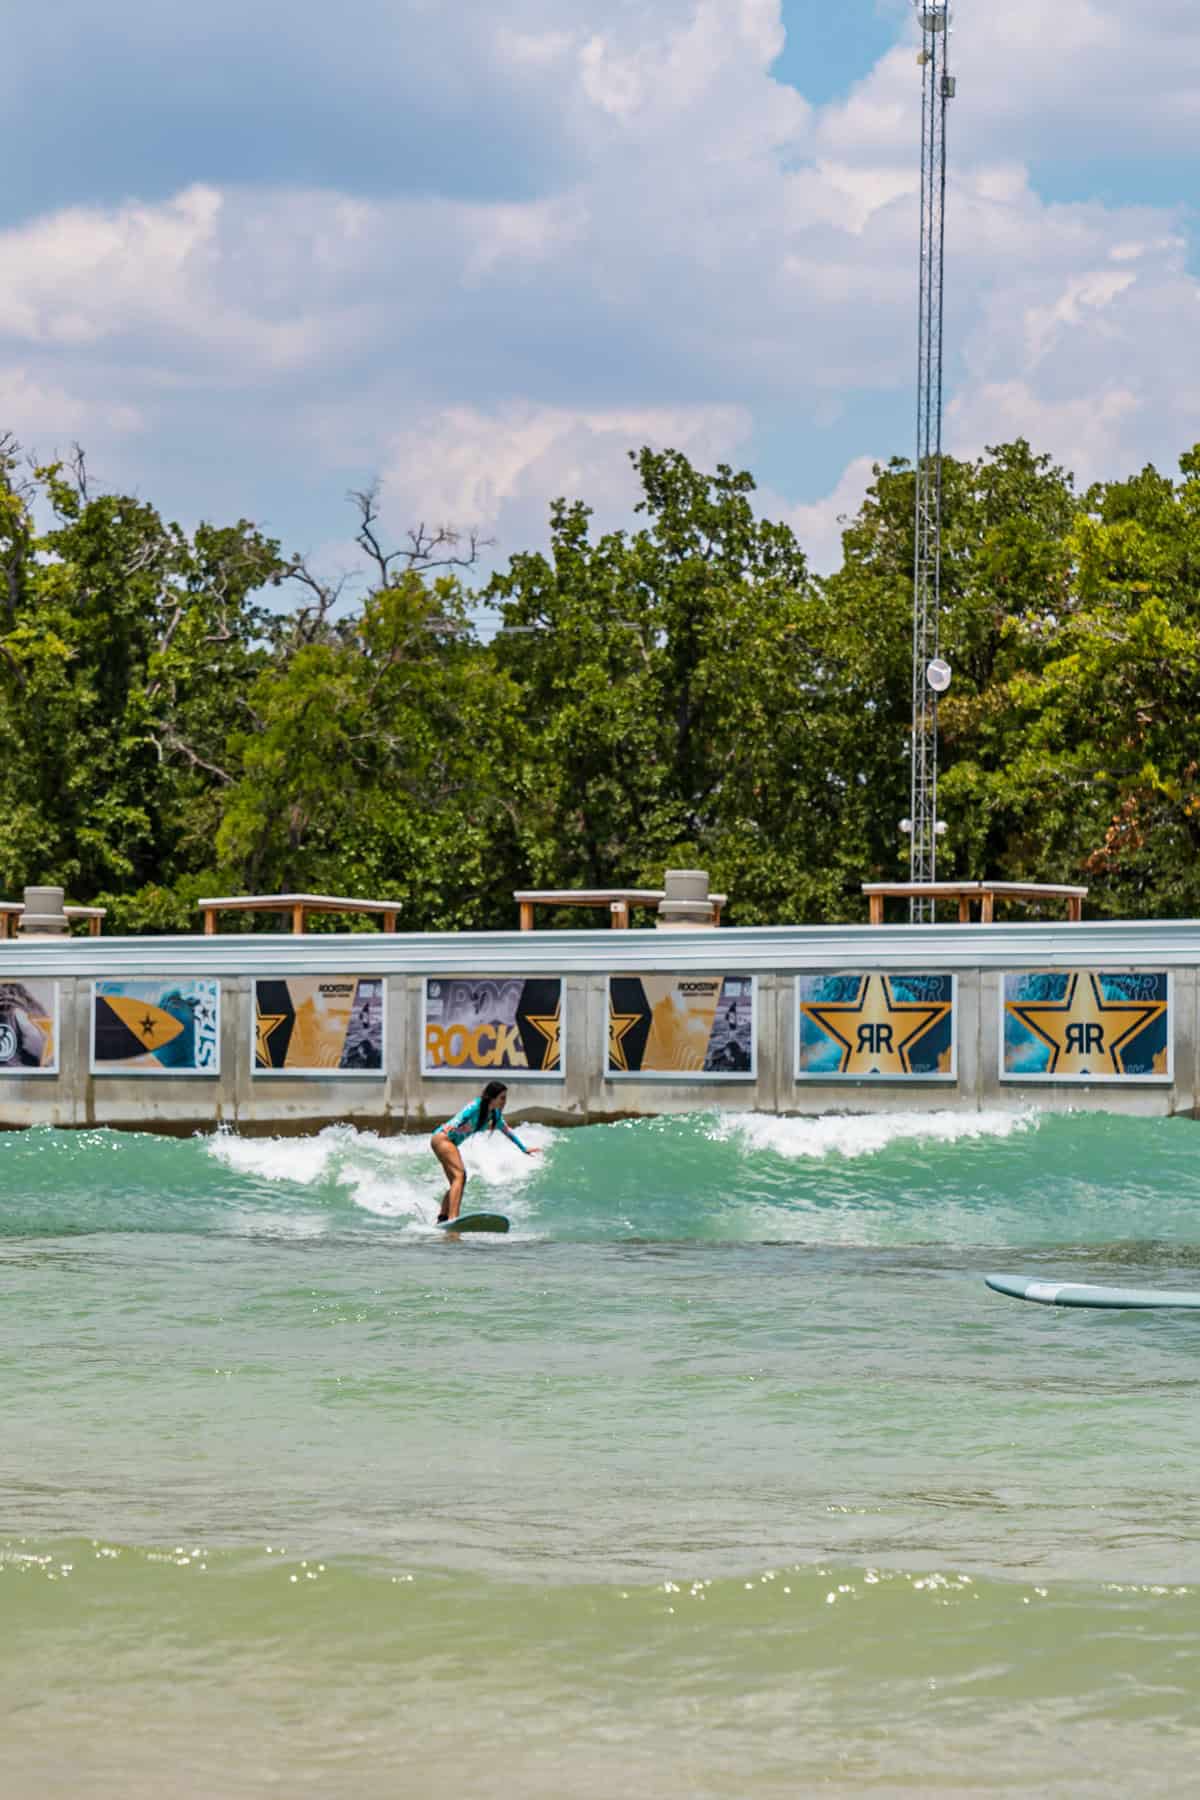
[405,1099]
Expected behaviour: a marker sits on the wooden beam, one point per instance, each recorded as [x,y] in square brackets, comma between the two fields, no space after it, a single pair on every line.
[875,901]
[389,921]
[964,909]
[298,918]
[527,915]
[210,921]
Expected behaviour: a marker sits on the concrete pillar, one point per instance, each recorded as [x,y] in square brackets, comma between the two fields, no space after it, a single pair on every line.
[43,915]
[685,905]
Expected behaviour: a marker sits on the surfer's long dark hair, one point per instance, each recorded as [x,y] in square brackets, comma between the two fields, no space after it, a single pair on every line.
[487,1104]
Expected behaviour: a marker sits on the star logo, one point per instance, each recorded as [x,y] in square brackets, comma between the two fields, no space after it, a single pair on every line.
[619,1027]
[876,1032]
[264,1025]
[548,1024]
[1084,1032]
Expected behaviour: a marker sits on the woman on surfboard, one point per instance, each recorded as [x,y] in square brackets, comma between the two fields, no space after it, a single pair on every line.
[483,1114]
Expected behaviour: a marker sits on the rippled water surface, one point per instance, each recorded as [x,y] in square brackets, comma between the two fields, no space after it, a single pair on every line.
[723,1474]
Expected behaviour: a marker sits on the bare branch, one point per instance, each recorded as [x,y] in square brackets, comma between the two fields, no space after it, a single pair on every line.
[77,463]
[171,740]
[311,622]
[425,546]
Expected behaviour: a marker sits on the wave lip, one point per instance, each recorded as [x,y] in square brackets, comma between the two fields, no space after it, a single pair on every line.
[866,1134]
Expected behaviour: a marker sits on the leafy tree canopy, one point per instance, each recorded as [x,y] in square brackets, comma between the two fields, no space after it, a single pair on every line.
[198,712]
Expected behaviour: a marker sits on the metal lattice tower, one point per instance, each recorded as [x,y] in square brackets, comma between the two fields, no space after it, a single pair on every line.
[937,87]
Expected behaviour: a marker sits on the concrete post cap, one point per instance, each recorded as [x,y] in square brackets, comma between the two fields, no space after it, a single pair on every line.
[685,900]
[43,915]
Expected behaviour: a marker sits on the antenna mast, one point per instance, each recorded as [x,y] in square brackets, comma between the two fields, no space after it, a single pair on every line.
[937,87]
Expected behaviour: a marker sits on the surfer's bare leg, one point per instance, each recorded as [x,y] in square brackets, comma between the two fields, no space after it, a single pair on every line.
[456,1175]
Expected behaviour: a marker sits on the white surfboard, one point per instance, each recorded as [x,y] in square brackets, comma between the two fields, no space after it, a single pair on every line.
[1081,1293]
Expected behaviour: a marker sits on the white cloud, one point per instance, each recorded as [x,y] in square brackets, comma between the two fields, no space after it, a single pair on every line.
[498,471]
[37,411]
[704,259]
[818,526]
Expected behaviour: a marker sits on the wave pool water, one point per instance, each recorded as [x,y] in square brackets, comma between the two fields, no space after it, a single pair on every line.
[722,1475]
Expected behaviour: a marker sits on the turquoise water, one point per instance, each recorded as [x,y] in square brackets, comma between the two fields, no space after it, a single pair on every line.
[722,1475]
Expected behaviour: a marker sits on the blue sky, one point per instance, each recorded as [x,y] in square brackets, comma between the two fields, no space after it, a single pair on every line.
[255,254]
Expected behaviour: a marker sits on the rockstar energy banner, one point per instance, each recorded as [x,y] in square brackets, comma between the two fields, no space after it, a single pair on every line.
[493,1024]
[1085,1025]
[161,1027]
[873,1027]
[28,1028]
[319,1025]
[693,1025]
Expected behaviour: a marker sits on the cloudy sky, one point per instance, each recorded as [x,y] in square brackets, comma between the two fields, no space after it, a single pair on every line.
[255,253]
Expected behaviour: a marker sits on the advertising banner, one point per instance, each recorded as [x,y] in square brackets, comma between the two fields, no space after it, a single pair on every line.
[28,1027]
[493,1025]
[1085,1025]
[860,1026]
[165,1026]
[698,1026]
[318,1025]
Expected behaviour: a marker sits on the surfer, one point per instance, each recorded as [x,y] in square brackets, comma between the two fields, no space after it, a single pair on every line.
[483,1114]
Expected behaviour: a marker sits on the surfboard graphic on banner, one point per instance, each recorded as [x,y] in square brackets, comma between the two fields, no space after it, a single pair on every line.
[698,1026]
[1086,1025]
[861,1025]
[156,1027]
[319,1025]
[493,1024]
[28,1027]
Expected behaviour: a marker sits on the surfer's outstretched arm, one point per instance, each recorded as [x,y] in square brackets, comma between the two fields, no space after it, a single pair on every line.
[510,1133]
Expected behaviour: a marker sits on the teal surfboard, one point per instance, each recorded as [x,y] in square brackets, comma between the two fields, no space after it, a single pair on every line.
[474,1222]
[1081,1293]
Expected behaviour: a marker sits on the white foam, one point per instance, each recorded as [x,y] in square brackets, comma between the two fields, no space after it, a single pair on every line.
[391,1177]
[865,1134]
[302,1160]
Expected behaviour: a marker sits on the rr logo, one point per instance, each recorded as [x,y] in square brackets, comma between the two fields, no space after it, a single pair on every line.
[1085,1035]
[874,1040]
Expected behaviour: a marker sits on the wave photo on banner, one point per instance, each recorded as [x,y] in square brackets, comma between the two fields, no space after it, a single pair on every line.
[493,1024]
[694,1025]
[319,1025]
[168,1026]
[28,1027]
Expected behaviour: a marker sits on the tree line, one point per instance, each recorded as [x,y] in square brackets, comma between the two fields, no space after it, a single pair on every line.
[191,713]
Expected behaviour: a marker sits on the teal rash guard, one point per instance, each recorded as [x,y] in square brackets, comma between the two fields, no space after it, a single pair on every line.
[466,1123]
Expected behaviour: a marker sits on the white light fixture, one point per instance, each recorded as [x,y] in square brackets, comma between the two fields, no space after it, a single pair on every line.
[906,827]
[937,674]
[940,828]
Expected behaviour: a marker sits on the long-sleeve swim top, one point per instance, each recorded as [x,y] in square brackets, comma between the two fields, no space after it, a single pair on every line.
[466,1123]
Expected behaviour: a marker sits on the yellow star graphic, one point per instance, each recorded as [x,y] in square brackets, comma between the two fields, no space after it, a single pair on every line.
[265,1024]
[877,1032]
[548,1024]
[619,1027]
[1085,1033]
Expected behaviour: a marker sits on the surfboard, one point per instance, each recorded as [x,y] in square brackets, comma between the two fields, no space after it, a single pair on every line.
[474,1222]
[1082,1293]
